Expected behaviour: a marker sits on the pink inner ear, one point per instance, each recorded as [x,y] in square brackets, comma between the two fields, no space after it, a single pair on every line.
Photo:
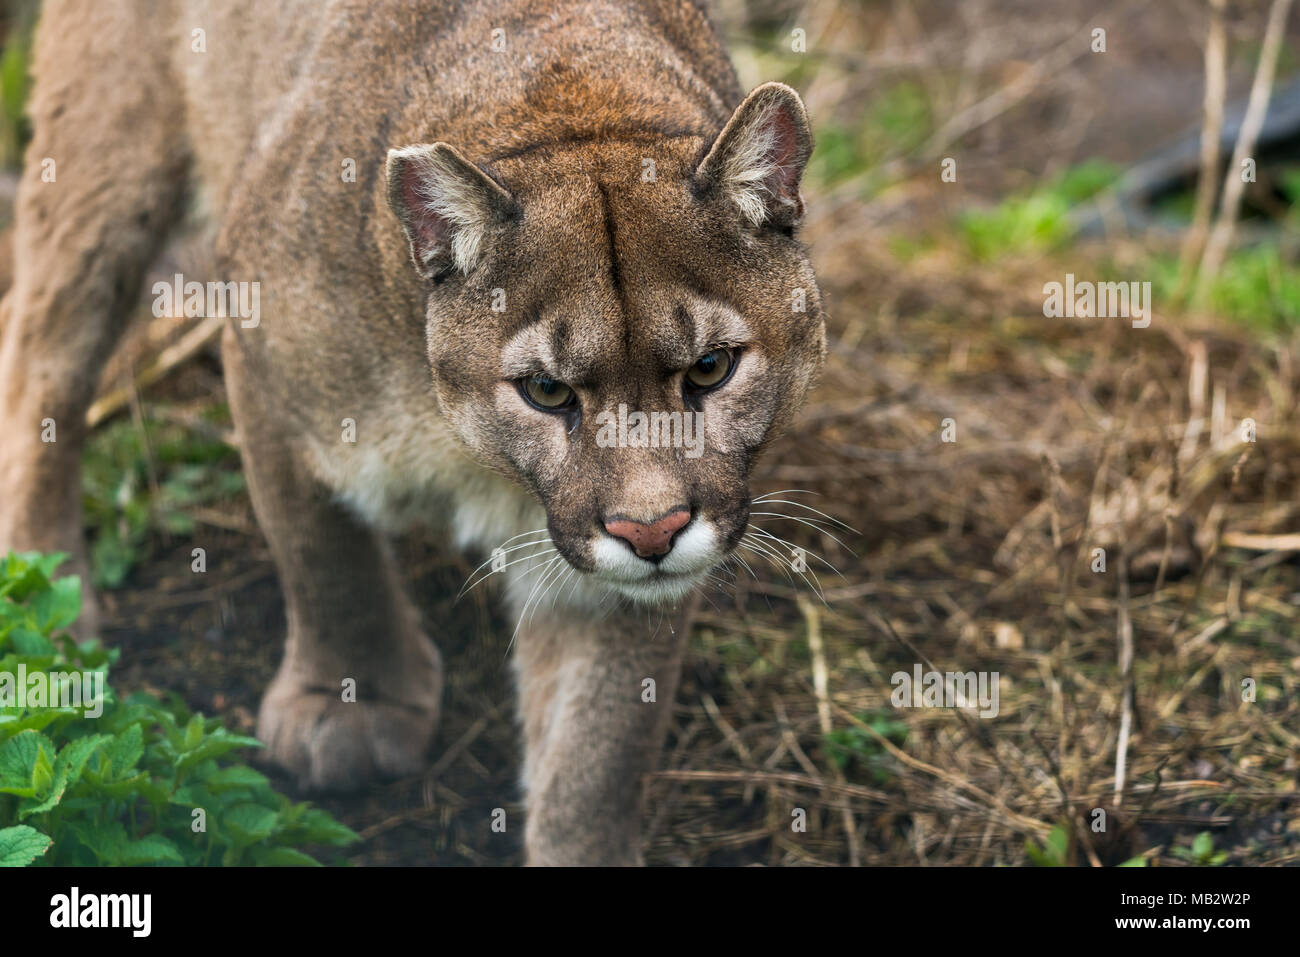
[429,229]
[784,153]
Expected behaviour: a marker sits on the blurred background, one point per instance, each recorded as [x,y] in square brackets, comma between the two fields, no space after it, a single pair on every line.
[1121,690]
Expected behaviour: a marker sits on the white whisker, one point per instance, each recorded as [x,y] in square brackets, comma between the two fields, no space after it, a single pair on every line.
[528,601]
[470,585]
[830,518]
[804,521]
[781,541]
[502,551]
[814,582]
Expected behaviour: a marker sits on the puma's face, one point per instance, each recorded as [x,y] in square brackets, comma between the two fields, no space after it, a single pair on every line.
[623,342]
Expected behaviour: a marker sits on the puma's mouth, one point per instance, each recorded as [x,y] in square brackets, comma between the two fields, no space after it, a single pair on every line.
[659,588]
[695,551]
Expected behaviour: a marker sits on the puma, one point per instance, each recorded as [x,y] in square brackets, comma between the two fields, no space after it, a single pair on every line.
[558,209]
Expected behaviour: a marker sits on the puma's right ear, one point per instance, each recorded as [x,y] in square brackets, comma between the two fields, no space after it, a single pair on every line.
[759,157]
[446,205]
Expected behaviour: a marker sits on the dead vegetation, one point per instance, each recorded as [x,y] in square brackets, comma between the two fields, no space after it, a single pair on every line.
[1162,690]
[1072,435]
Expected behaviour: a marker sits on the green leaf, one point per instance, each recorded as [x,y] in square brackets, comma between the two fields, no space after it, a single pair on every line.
[125,751]
[175,737]
[239,776]
[219,743]
[72,759]
[249,823]
[58,606]
[18,758]
[1054,852]
[36,720]
[1058,843]
[321,828]
[1036,855]
[107,841]
[127,787]
[65,771]
[283,857]
[48,564]
[193,733]
[154,790]
[152,849]
[29,642]
[42,771]
[21,845]
[193,795]
[1203,845]
[26,579]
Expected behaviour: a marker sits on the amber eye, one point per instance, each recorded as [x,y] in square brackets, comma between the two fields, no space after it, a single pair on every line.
[710,370]
[547,394]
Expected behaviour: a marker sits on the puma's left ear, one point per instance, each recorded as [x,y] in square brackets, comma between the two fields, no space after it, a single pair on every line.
[758,158]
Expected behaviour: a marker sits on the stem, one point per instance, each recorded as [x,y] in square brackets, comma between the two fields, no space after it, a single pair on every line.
[1233,184]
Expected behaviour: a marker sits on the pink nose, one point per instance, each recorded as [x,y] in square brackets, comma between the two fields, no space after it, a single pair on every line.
[649,540]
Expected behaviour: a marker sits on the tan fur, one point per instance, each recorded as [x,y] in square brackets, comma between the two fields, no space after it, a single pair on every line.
[501,224]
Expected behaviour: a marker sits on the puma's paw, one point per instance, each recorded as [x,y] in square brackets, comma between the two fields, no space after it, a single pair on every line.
[336,745]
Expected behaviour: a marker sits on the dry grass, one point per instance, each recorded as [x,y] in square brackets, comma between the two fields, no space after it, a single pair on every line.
[976,555]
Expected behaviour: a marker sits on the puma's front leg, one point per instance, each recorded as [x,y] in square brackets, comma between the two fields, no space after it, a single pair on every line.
[351,626]
[592,729]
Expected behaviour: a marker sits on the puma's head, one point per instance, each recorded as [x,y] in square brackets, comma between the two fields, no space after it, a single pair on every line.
[621,325]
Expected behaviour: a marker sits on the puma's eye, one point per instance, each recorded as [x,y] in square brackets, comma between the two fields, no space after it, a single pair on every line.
[710,370]
[547,394]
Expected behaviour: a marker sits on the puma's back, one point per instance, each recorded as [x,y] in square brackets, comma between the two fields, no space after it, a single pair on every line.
[494,78]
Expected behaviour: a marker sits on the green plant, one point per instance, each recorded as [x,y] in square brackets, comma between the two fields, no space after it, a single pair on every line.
[898,120]
[837,156]
[855,747]
[1038,220]
[1256,287]
[1201,852]
[1290,183]
[87,778]
[1084,181]
[1056,850]
[14,84]
[134,483]
[894,123]
[1053,852]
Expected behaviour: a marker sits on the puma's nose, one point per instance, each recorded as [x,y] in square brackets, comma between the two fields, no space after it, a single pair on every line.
[653,540]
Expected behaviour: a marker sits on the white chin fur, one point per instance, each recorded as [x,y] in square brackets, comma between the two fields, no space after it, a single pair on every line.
[694,552]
